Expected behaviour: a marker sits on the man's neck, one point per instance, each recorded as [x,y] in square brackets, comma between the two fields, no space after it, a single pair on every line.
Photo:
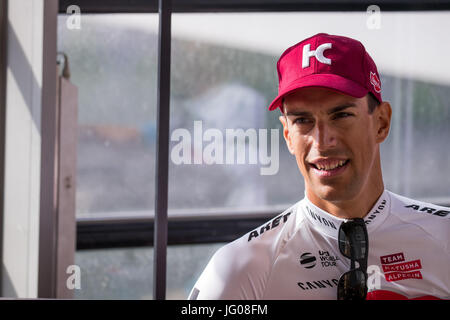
[357,207]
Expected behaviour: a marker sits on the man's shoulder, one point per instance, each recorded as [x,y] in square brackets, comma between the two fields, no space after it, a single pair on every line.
[263,242]
[418,209]
[432,219]
[275,226]
[240,268]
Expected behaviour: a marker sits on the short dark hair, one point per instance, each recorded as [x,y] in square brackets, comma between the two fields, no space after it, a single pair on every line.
[372,103]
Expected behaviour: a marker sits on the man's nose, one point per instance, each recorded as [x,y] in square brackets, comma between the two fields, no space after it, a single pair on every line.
[324,136]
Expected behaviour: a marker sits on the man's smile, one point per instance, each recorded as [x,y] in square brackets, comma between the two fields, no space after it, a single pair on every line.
[328,167]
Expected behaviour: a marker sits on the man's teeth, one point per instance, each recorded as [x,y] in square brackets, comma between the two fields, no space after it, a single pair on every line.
[330,166]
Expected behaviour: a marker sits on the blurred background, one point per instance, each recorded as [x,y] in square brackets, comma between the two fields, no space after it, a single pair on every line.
[223,73]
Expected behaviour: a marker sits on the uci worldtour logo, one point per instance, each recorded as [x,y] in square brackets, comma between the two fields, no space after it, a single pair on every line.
[309,261]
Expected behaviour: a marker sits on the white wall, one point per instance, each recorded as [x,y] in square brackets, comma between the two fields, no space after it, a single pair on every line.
[22,160]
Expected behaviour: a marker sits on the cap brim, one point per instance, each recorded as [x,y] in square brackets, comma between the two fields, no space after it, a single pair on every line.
[329,81]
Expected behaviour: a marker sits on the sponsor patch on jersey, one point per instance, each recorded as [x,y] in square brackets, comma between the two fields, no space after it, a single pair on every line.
[321,220]
[318,284]
[326,260]
[375,213]
[269,226]
[396,268]
[433,211]
[308,260]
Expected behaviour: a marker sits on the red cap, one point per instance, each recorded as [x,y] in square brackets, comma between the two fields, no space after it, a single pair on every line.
[329,61]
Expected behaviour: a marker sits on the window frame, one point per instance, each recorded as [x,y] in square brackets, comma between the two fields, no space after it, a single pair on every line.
[185,6]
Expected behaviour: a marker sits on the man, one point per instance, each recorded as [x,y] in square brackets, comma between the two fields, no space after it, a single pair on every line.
[334,121]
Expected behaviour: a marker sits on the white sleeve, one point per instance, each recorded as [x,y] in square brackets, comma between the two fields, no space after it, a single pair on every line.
[235,272]
[240,270]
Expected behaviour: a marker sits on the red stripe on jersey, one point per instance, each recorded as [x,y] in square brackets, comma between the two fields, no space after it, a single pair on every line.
[389,295]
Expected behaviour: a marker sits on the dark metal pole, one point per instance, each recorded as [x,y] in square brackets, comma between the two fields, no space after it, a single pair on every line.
[162,152]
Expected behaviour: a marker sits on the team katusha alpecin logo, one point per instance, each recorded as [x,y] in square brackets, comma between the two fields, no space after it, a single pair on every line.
[308,260]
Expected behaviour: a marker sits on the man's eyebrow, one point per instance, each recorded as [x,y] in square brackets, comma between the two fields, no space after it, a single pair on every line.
[342,107]
[299,113]
[332,110]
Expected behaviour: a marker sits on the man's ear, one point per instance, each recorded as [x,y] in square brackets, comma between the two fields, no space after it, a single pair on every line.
[383,115]
[286,135]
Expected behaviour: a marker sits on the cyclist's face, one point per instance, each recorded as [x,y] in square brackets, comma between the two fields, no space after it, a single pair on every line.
[335,142]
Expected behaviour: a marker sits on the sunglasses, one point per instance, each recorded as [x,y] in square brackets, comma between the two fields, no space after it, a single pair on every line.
[354,244]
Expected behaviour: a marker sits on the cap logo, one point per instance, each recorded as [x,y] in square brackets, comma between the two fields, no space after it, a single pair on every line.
[318,53]
[375,82]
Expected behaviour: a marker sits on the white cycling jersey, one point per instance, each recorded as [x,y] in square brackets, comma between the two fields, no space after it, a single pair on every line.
[296,255]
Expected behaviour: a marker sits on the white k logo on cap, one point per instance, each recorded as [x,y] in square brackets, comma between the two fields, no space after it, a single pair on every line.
[318,53]
[334,68]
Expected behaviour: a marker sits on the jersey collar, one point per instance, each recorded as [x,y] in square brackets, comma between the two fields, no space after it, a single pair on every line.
[329,224]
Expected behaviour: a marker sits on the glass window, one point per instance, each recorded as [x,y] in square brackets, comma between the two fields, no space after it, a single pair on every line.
[224,77]
[113,61]
[127,273]
[226,149]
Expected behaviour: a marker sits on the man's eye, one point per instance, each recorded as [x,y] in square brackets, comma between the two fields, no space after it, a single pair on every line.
[302,121]
[342,115]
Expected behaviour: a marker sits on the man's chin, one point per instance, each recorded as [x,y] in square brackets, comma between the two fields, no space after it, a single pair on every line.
[331,193]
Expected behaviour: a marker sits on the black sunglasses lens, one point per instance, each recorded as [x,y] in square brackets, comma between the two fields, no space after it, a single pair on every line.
[353,241]
[352,286]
